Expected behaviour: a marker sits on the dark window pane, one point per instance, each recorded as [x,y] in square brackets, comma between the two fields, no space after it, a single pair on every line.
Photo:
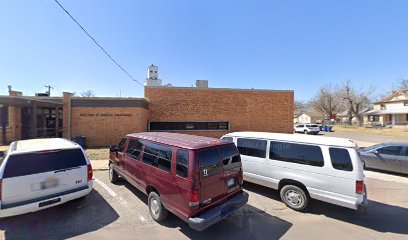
[188,126]
[121,145]
[229,154]
[340,159]
[6,115]
[252,147]
[296,153]
[209,157]
[390,150]
[134,149]
[39,162]
[157,155]
[227,139]
[182,163]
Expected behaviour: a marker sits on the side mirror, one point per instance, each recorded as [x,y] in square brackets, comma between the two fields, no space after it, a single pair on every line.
[374,152]
[2,154]
[113,148]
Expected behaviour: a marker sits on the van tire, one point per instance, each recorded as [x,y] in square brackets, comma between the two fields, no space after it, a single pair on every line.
[156,208]
[305,132]
[294,197]
[113,175]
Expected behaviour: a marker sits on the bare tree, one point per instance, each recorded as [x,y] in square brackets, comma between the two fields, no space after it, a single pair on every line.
[328,101]
[88,93]
[403,83]
[356,100]
[300,108]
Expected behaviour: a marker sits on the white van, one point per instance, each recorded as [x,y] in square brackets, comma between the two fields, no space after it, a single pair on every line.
[42,173]
[303,167]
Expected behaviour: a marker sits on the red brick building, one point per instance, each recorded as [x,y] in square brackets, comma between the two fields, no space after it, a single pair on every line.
[103,121]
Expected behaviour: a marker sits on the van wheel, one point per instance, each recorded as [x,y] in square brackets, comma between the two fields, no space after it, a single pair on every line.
[305,132]
[294,197]
[113,175]
[156,208]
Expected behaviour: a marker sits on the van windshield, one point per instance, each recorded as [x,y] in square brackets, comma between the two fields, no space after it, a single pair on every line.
[45,161]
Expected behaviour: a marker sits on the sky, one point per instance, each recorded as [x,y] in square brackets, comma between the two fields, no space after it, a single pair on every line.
[285,45]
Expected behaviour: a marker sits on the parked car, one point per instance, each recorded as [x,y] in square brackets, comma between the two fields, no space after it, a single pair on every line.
[307,129]
[303,167]
[199,179]
[390,156]
[41,173]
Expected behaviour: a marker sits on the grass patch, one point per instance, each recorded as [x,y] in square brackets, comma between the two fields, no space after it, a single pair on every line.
[97,153]
[394,132]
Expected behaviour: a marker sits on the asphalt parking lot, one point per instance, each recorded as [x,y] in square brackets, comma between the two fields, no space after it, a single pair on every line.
[120,211]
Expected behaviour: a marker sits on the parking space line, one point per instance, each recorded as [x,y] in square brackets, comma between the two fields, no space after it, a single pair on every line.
[102,184]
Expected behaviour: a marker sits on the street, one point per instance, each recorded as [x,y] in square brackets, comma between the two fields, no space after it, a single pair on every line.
[120,211]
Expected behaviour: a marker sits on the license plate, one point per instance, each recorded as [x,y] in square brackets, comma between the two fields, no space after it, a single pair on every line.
[231,182]
[49,183]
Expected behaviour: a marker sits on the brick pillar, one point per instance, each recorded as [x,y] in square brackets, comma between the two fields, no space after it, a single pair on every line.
[66,115]
[14,131]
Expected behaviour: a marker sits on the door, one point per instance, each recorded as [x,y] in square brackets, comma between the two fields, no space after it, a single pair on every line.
[404,161]
[32,177]
[389,158]
[118,154]
[131,161]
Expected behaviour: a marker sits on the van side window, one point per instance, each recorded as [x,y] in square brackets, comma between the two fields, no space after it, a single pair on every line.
[296,153]
[340,159]
[158,156]
[121,145]
[227,139]
[182,163]
[252,147]
[134,149]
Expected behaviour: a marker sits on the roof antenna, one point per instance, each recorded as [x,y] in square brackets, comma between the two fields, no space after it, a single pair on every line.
[49,89]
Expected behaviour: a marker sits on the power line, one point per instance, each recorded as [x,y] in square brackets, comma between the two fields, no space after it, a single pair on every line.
[93,39]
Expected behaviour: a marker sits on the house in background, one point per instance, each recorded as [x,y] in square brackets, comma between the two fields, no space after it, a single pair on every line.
[304,118]
[390,110]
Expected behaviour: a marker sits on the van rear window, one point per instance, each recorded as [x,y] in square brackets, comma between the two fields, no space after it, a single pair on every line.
[39,162]
[209,157]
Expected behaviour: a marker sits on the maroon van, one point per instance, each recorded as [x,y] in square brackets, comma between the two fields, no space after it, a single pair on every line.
[199,179]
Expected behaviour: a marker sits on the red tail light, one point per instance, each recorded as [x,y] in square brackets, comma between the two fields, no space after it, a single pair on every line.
[90,172]
[194,199]
[359,187]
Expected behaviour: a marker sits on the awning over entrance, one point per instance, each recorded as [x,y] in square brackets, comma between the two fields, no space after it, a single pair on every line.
[17,101]
[384,112]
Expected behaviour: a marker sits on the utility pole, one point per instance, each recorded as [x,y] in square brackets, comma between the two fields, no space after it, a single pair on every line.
[49,89]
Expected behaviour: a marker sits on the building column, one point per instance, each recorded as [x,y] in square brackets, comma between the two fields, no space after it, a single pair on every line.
[3,125]
[66,115]
[34,119]
[57,122]
[392,119]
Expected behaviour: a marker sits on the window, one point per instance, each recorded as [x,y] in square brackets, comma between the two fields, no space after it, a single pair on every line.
[296,153]
[4,110]
[40,162]
[405,103]
[390,150]
[188,126]
[121,145]
[209,157]
[300,126]
[374,118]
[182,163]
[383,107]
[157,155]
[134,149]
[227,139]
[252,147]
[229,154]
[340,159]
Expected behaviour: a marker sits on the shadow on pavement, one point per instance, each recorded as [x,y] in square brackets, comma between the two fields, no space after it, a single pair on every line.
[379,217]
[248,223]
[65,221]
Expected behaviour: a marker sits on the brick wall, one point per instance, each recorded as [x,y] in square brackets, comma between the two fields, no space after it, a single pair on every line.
[104,126]
[246,110]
